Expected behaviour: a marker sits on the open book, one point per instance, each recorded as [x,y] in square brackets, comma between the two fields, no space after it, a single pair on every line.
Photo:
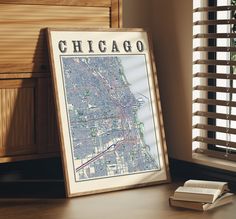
[200,191]
[201,206]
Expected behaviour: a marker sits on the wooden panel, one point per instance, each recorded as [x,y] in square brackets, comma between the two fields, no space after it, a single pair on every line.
[28,127]
[17,126]
[24,75]
[23,67]
[22,38]
[116,12]
[31,156]
[53,134]
[16,84]
[47,131]
[42,114]
[27,118]
[87,3]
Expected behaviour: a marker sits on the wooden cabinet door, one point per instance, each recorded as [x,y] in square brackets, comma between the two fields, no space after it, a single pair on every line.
[17,117]
[27,113]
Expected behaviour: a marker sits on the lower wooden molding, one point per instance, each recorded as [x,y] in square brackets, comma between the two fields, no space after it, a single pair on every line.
[32,178]
[186,170]
[36,189]
[8,159]
[47,169]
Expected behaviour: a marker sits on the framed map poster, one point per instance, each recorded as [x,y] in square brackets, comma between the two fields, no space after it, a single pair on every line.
[108,109]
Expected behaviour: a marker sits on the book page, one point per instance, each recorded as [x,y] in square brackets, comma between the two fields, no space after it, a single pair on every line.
[223,200]
[206,184]
[196,194]
[197,190]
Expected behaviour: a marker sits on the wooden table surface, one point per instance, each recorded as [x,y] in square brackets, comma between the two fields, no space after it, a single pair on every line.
[144,203]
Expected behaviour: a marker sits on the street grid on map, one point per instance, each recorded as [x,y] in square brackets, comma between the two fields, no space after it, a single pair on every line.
[106,134]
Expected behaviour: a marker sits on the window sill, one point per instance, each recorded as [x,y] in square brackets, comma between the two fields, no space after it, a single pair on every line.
[214,162]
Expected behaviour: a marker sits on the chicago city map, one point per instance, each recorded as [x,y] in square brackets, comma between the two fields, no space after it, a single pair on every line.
[110,116]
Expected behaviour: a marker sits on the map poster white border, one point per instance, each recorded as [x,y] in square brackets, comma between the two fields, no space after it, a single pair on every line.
[108,109]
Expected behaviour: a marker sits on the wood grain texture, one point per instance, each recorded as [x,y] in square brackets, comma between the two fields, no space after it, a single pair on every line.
[84,3]
[17,117]
[24,69]
[53,133]
[22,38]
[116,14]
[47,131]
[23,75]
[8,84]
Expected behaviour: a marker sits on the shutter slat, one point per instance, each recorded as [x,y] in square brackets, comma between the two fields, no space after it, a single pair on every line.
[215,128]
[215,142]
[214,49]
[214,75]
[214,22]
[215,62]
[214,8]
[215,115]
[215,89]
[215,102]
[214,35]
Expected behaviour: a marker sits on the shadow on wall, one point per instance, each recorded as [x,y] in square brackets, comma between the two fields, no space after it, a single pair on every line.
[170,24]
[137,13]
[172,31]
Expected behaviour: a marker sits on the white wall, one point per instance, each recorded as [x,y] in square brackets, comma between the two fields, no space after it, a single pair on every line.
[170,24]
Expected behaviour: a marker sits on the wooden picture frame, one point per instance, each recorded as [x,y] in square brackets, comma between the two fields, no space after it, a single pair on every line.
[108,109]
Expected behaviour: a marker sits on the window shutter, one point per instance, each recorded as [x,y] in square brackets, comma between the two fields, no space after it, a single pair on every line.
[214,78]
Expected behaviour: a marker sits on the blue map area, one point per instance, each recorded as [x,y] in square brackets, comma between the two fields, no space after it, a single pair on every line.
[106,134]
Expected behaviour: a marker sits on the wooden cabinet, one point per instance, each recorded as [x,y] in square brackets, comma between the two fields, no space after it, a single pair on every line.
[28,127]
